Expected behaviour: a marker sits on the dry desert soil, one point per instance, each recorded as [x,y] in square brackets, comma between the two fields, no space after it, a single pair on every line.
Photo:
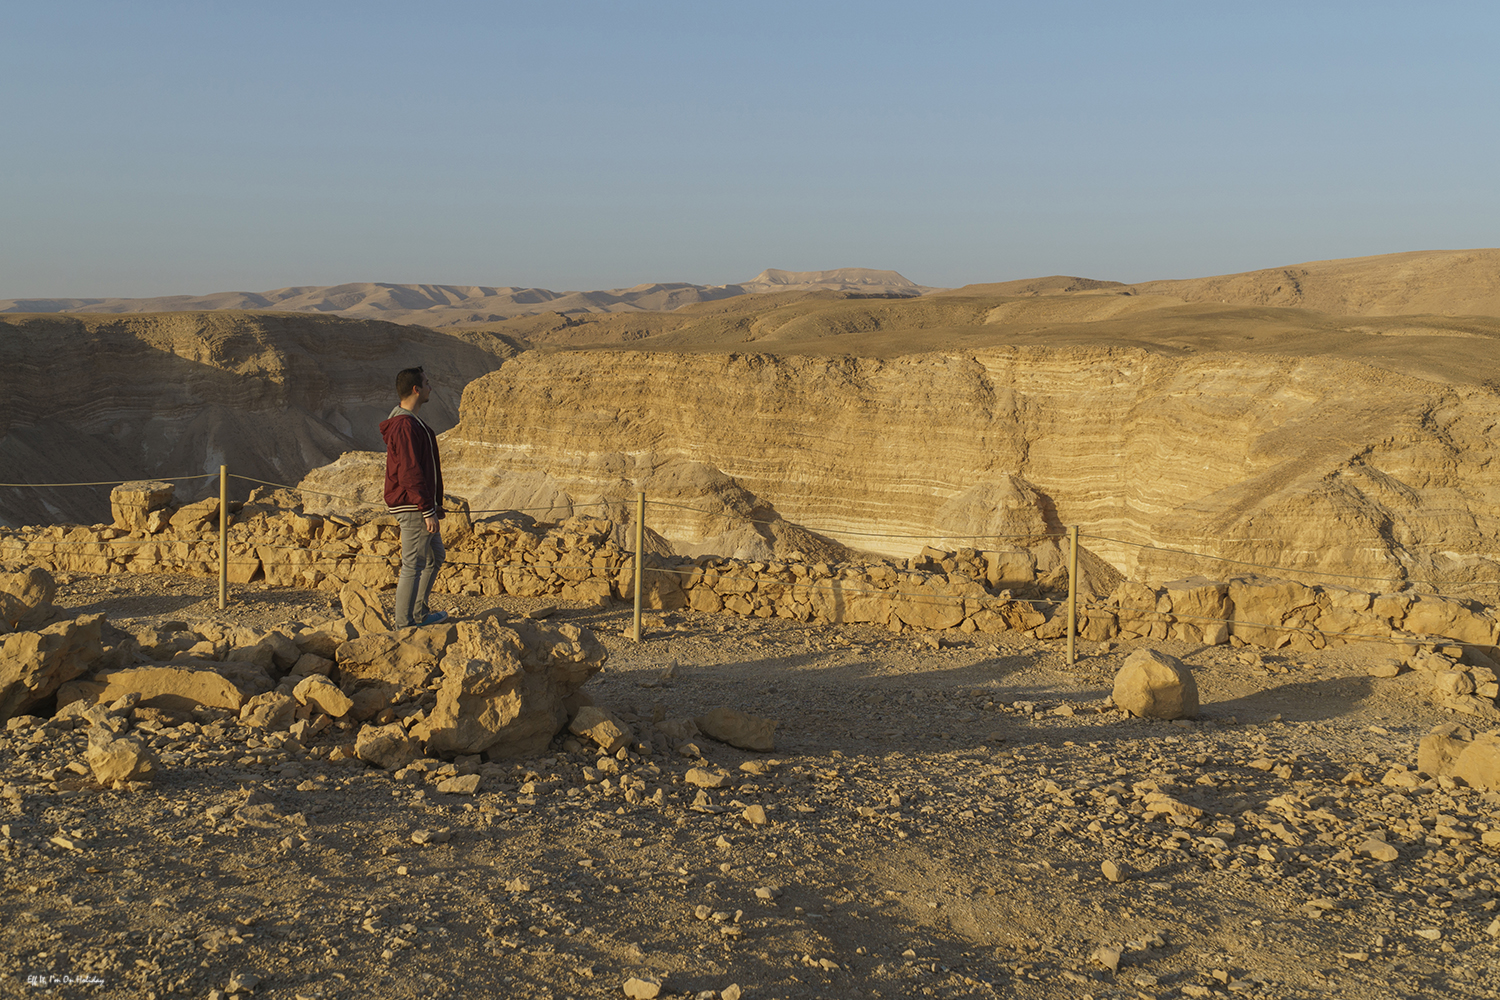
[945,816]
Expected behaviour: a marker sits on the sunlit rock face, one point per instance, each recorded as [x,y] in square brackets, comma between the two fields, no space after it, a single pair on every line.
[1311,464]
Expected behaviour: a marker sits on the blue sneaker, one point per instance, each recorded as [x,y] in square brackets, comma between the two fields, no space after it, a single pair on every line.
[435,618]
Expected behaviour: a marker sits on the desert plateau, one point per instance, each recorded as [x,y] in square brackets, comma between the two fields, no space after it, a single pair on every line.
[886,732]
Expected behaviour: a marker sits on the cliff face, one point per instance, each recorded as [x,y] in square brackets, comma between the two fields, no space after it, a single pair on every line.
[1310,463]
[271,395]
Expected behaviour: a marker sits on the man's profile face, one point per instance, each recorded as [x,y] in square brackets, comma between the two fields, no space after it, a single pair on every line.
[422,390]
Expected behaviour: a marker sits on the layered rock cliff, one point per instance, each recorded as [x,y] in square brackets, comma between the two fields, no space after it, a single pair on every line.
[272,395]
[1313,464]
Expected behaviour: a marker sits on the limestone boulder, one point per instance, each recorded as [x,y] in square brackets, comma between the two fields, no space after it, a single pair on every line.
[114,759]
[387,747]
[316,691]
[1152,685]
[1201,609]
[383,669]
[132,504]
[1268,612]
[179,688]
[1478,766]
[270,710]
[738,729]
[505,687]
[602,726]
[935,603]
[1441,747]
[33,665]
[1429,614]
[26,599]
[324,640]
[363,610]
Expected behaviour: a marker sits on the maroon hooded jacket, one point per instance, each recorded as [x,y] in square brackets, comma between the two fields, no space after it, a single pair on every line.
[413,473]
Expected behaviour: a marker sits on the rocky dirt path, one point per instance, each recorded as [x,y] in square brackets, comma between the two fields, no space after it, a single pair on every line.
[944,817]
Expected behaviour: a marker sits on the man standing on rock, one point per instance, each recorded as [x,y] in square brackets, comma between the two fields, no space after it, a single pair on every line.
[414,492]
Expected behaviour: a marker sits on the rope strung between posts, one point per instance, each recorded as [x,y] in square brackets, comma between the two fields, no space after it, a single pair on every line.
[116,482]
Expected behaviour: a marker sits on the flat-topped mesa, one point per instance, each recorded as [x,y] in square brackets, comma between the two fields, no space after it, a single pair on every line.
[1333,470]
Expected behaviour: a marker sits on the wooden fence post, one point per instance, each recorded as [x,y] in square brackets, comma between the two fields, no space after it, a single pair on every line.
[1072,591]
[640,557]
[223,536]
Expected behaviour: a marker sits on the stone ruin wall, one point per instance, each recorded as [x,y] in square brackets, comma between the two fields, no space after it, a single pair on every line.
[274,541]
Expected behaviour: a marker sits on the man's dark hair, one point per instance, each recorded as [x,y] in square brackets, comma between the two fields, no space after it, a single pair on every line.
[408,379]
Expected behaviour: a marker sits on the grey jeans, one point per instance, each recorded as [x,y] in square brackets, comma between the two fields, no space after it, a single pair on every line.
[421,557]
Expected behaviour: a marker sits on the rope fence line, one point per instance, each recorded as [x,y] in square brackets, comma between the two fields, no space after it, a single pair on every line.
[823,584]
[826,585]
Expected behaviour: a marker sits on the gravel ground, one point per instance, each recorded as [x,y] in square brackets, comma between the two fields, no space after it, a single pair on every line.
[947,816]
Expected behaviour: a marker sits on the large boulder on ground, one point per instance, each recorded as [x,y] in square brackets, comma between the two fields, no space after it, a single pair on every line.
[26,599]
[1479,765]
[1153,685]
[33,665]
[738,729]
[178,688]
[1441,747]
[363,610]
[504,687]
[1454,750]
[383,669]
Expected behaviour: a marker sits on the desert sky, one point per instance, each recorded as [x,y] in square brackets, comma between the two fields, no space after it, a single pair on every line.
[186,148]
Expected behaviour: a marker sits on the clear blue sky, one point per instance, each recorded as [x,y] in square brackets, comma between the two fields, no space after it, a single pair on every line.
[155,148]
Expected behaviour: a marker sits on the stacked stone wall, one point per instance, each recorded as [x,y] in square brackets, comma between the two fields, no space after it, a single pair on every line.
[272,540]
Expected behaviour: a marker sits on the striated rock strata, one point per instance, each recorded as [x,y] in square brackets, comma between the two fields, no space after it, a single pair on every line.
[1343,472]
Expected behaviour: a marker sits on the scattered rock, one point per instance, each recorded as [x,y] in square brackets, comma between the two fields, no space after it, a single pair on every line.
[738,729]
[602,726]
[113,759]
[386,747]
[642,989]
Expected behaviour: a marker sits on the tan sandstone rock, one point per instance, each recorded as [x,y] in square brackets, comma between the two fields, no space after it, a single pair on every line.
[132,504]
[115,759]
[387,747]
[271,710]
[1479,763]
[33,665]
[317,691]
[1153,685]
[363,610]
[738,729]
[178,688]
[382,669]
[504,687]
[1441,747]
[601,726]
[30,594]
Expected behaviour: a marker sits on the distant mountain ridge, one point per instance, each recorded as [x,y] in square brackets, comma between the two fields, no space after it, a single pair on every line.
[441,306]
[1438,282]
